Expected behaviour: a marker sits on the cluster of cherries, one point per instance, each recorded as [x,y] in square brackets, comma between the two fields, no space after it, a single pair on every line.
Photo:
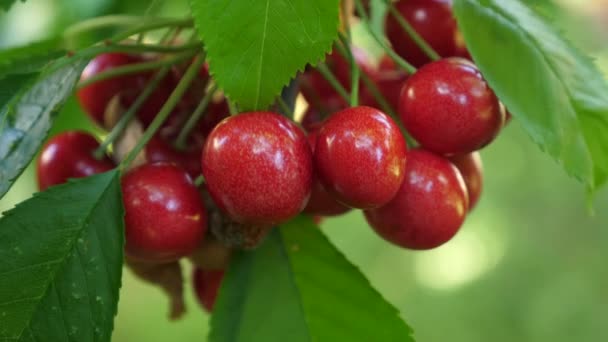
[261,169]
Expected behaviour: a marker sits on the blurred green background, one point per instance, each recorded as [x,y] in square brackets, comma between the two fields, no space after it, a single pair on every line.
[529,264]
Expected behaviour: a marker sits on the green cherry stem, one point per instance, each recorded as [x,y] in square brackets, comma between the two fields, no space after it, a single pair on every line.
[400,61]
[182,138]
[422,44]
[165,111]
[122,124]
[355,71]
[285,110]
[331,78]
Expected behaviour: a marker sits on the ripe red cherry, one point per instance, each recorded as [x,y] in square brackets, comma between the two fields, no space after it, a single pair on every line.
[206,285]
[471,169]
[258,168]
[449,108]
[360,157]
[69,155]
[95,97]
[433,21]
[429,208]
[164,215]
[160,150]
[321,203]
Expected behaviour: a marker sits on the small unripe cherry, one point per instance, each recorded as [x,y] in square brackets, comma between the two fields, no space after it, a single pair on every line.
[206,286]
[258,168]
[449,108]
[164,215]
[360,157]
[430,207]
[321,202]
[69,155]
[471,169]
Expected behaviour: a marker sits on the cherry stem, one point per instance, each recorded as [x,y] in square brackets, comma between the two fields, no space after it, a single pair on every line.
[122,124]
[134,69]
[200,180]
[232,108]
[394,56]
[154,24]
[182,138]
[331,78]
[166,110]
[284,107]
[422,44]
[124,20]
[355,72]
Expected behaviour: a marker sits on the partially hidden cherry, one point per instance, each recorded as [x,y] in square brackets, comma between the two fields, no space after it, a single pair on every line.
[360,157]
[258,168]
[449,108]
[321,202]
[389,80]
[165,218]
[430,207]
[69,155]
[206,286]
[159,149]
[433,21]
[471,169]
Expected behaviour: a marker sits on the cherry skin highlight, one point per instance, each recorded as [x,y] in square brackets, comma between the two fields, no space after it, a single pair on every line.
[321,202]
[471,169]
[433,21]
[429,208]
[360,157]
[69,155]
[258,168]
[206,286]
[164,215]
[449,108]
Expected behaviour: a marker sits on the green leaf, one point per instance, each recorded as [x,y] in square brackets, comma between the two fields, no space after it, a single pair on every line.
[25,121]
[255,47]
[6,4]
[556,93]
[298,287]
[30,57]
[62,253]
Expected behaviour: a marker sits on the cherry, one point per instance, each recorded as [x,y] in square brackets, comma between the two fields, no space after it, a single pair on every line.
[258,168]
[164,215]
[449,108]
[433,21]
[360,157]
[321,203]
[207,285]
[389,81]
[315,114]
[430,207]
[69,155]
[160,150]
[471,169]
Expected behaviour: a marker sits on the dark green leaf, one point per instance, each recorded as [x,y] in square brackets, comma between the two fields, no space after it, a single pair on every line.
[24,123]
[62,253]
[298,287]
[557,93]
[31,57]
[6,4]
[255,47]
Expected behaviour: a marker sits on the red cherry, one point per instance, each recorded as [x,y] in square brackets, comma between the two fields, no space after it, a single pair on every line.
[69,155]
[164,215]
[449,108]
[471,169]
[433,21]
[159,150]
[389,81]
[321,203]
[429,208]
[206,285]
[258,168]
[360,157]
[314,115]
[215,113]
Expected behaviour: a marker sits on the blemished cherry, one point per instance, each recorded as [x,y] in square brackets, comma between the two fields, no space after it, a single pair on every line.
[69,155]
[95,97]
[433,21]
[321,202]
[449,108]
[165,218]
[206,286]
[430,207]
[471,169]
[360,157]
[258,168]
